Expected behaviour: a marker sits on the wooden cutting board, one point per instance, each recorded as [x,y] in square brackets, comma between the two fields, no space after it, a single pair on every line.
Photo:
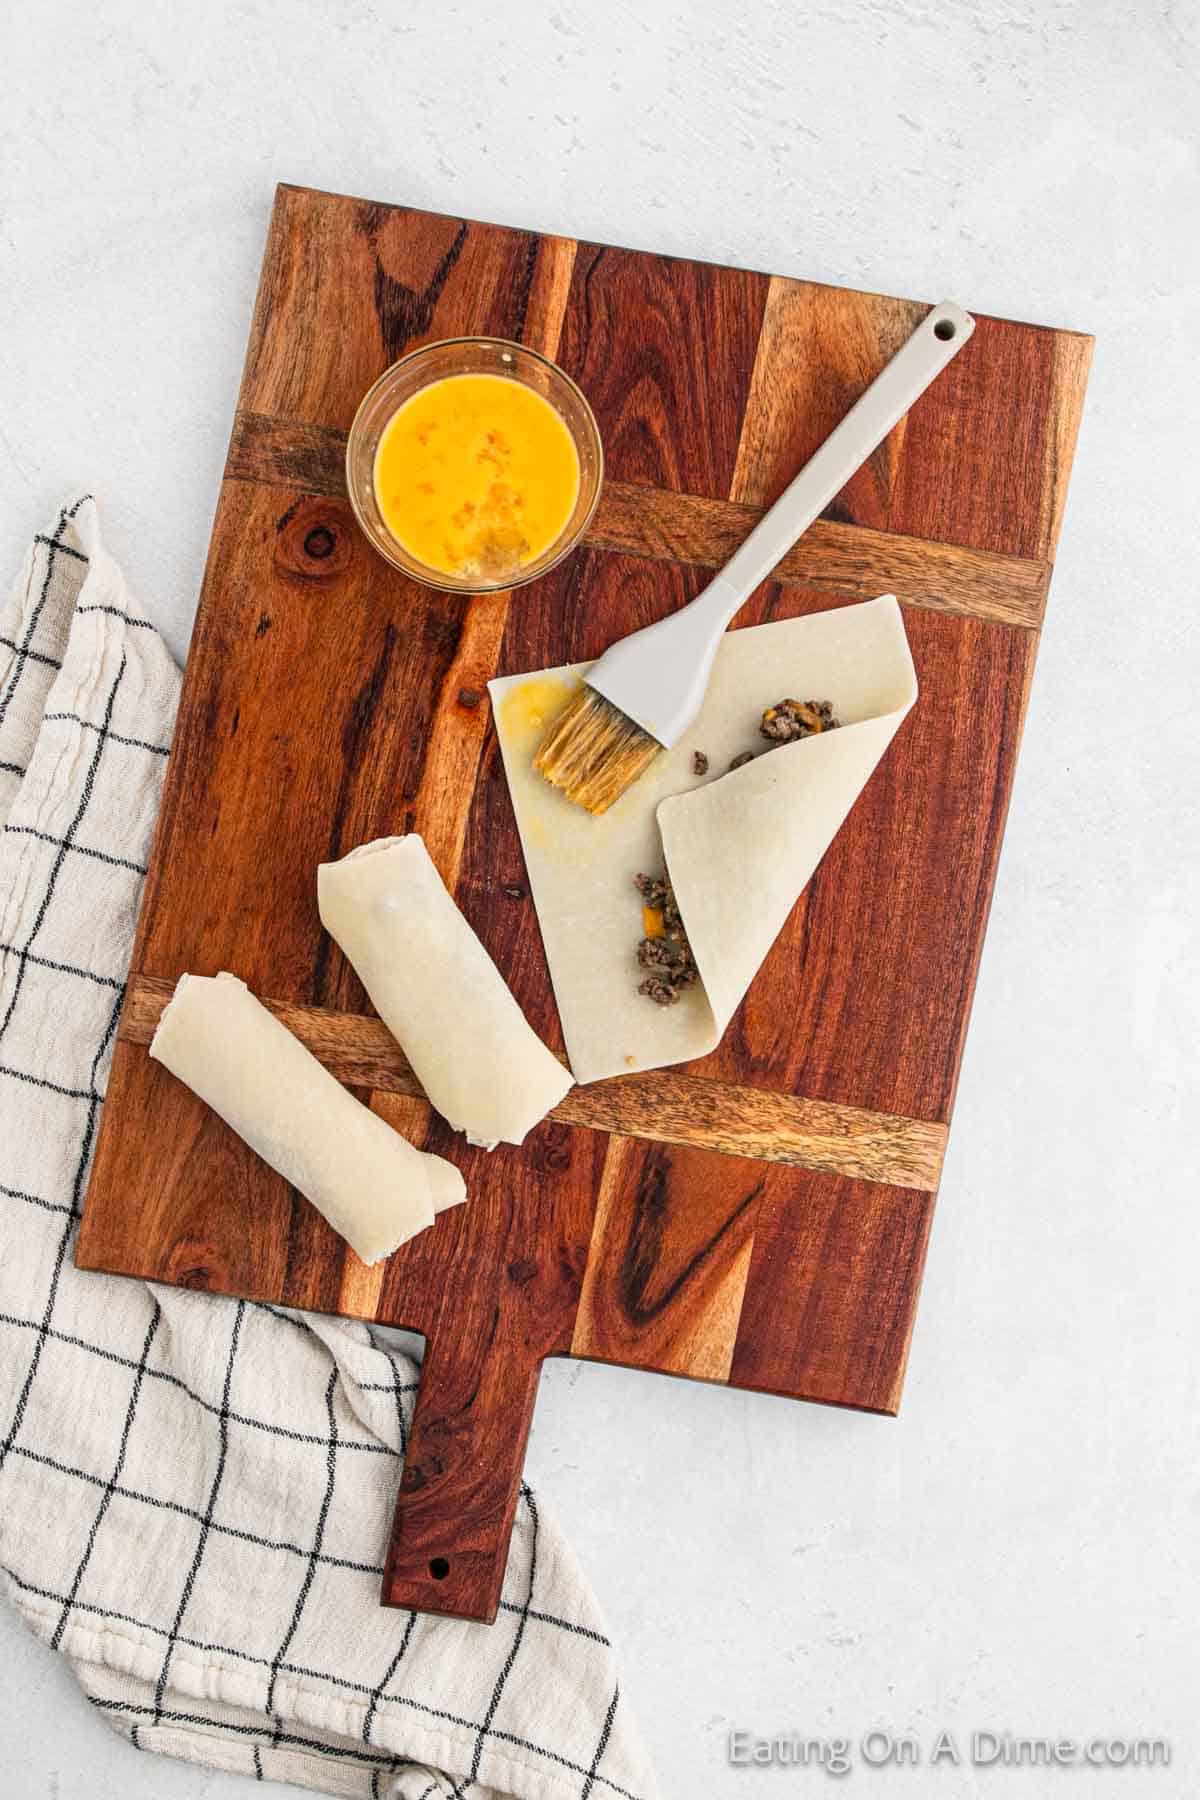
[758,1218]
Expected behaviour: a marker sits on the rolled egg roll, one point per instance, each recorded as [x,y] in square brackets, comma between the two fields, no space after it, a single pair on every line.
[438,991]
[373,1186]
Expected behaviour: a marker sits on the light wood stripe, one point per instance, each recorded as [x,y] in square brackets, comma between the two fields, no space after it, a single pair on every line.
[832,343]
[664,1104]
[456,735]
[642,521]
[841,559]
[695,1332]
[1072,363]
[549,291]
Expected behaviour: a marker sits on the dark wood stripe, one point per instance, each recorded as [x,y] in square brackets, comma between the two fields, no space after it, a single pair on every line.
[286,453]
[819,1244]
[643,521]
[665,1104]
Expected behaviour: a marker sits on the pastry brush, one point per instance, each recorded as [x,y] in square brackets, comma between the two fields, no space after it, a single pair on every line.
[644,692]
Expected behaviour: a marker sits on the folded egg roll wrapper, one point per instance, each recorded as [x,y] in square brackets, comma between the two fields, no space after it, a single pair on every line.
[374,1187]
[739,847]
[439,993]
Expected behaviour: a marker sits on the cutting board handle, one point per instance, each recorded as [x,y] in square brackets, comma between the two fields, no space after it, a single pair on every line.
[462,1478]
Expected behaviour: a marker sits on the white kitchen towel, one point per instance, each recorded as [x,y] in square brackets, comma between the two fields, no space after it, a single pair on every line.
[195,1492]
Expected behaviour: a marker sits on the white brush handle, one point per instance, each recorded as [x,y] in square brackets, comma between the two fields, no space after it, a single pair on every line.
[659,675]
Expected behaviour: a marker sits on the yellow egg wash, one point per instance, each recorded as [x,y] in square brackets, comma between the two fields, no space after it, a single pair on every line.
[528,708]
[476,475]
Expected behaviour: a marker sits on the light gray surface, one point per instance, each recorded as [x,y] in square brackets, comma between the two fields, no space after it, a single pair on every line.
[1019,1550]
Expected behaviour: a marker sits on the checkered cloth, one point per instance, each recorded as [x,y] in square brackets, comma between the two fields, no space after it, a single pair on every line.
[195,1493]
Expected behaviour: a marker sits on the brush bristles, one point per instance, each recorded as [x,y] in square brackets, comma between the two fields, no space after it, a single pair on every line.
[593,751]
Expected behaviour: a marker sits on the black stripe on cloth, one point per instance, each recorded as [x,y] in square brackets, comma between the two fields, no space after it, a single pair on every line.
[45,837]
[399,1389]
[43,1081]
[264,1425]
[289,1738]
[515,1648]
[133,1737]
[54,543]
[545,1618]
[62,968]
[318,1540]
[277,1312]
[258,1770]
[123,1618]
[602,1746]
[563,1762]
[355,1687]
[206,1522]
[117,612]
[288,1668]
[190,1512]
[365,1756]
[55,1206]
[114,737]
[49,662]
[85,1150]
[24,651]
[111,1484]
[378,1693]
[12,768]
[89,786]
[168,1375]
[23,648]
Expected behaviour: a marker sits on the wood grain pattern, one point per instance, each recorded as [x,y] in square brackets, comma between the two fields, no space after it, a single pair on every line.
[1071,363]
[802,1331]
[498,1295]
[457,731]
[668,1260]
[952,485]
[982,460]
[666,1105]
[847,560]
[833,343]
[759,1218]
[643,335]
[348,286]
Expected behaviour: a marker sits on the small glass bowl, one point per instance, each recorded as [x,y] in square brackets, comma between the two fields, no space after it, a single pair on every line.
[470,356]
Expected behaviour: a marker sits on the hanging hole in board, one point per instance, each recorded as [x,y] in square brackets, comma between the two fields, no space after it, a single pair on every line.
[944,329]
[439,1568]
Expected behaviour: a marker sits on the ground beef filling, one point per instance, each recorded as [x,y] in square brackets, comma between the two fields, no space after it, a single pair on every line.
[664,951]
[788,720]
